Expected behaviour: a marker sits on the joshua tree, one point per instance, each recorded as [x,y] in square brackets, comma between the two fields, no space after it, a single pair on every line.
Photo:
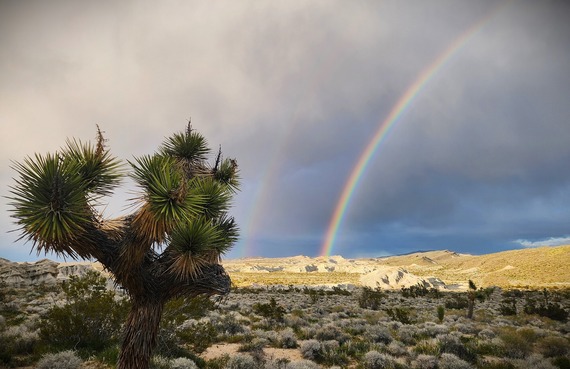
[169,246]
[471,295]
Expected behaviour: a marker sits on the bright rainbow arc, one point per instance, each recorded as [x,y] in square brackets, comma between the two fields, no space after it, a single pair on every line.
[402,104]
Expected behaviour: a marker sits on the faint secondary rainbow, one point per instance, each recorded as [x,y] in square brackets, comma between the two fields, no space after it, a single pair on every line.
[395,113]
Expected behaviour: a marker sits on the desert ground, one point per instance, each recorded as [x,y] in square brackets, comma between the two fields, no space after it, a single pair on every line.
[406,311]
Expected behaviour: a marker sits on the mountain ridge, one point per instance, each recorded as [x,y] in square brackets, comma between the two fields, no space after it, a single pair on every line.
[444,269]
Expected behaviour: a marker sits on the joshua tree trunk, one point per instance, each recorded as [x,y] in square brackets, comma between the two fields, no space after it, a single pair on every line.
[141,329]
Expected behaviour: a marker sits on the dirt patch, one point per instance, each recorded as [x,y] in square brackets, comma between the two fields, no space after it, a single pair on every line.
[230,349]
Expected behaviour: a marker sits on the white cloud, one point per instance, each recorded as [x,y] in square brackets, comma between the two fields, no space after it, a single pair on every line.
[552,241]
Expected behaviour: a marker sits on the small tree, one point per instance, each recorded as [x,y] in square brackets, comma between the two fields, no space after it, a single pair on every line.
[168,247]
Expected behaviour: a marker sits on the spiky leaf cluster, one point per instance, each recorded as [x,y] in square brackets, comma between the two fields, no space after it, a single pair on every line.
[183,204]
[54,194]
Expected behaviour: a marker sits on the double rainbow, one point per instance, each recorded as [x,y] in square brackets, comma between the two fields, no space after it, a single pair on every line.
[395,113]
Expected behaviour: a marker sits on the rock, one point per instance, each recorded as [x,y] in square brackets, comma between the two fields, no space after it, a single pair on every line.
[20,275]
[392,278]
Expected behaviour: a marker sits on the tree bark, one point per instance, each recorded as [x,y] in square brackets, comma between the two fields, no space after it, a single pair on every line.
[140,334]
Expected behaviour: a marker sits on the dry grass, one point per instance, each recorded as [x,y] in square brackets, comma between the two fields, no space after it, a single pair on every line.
[527,268]
[241,279]
[534,268]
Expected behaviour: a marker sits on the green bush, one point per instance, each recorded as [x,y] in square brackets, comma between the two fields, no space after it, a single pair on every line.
[90,320]
[508,307]
[199,337]
[400,314]
[457,301]
[371,298]
[272,310]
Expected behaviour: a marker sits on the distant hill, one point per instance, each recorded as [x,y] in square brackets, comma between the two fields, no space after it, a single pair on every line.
[533,268]
[448,270]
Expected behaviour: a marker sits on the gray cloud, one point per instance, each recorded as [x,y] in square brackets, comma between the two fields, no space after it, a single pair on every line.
[295,90]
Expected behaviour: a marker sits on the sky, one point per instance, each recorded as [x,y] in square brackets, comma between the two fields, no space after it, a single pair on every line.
[476,160]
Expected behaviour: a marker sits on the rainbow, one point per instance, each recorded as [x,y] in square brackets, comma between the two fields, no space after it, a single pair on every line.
[395,113]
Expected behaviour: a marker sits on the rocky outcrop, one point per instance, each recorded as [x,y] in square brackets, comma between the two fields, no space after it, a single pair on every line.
[394,278]
[48,272]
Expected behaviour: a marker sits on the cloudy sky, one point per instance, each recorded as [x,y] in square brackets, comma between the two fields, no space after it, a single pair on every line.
[477,162]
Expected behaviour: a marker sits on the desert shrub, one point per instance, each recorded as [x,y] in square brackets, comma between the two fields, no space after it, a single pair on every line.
[425,362]
[456,301]
[428,347]
[218,362]
[357,348]
[159,362]
[379,334]
[400,314]
[486,333]
[397,348]
[376,360]
[287,338]
[534,362]
[508,307]
[431,329]
[302,364]
[240,361]
[450,361]
[61,360]
[451,344]
[17,340]
[182,363]
[91,319]
[198,336]
[514,345]
[229,325]
[333,354]
[493,347]
[311,349]
[272,310]
[331,332]
[415,291]
[371,298]
[552,346]
[408,334]
[547,309]
[254,345]
[276,364]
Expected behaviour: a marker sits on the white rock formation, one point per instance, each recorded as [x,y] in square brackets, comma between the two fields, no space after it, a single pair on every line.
[394,278]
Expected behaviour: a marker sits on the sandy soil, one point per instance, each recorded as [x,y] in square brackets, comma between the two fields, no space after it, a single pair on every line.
[232,348]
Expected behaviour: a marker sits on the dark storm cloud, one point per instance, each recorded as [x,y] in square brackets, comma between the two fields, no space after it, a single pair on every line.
[485,147]
[295,90]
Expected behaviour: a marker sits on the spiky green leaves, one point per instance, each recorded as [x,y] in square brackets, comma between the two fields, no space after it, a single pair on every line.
[100,172]
[227,174]
[53,197]
[197,243]
[50,201]
[167,199]
[189,146]
[193,245]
